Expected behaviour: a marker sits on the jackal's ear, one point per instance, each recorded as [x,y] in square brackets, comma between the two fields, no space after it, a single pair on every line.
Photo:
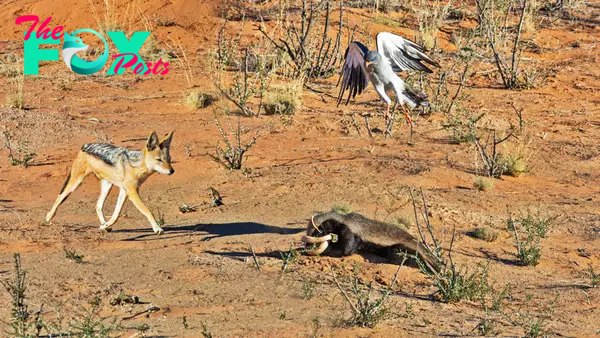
[166,142]
[152,141]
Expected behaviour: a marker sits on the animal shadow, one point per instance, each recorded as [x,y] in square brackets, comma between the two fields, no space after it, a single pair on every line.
[213,230]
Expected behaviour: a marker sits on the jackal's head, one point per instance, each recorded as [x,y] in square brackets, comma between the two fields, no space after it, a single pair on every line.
[156,154]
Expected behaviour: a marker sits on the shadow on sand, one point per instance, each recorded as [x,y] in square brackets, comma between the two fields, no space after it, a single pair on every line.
[213,230]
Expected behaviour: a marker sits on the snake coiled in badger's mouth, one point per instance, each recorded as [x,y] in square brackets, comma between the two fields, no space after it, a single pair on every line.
[323,241]
[353,232]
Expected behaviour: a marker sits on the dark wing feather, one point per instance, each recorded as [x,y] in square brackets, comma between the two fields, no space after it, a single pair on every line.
[354,75]
[402,53]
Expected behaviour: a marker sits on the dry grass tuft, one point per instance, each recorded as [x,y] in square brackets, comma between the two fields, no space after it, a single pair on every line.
[283,99]
[196,99]
[482,184]
[484,233]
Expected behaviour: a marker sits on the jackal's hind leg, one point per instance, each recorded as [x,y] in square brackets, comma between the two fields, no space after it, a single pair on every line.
[105,187]
[78,173]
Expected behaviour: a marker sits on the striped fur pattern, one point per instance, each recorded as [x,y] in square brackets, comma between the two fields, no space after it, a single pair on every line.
[110,154]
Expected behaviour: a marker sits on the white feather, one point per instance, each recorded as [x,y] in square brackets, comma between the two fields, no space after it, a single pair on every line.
[393,49]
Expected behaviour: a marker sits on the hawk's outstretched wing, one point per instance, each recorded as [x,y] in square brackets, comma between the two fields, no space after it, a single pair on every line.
[403,54]
[354,75]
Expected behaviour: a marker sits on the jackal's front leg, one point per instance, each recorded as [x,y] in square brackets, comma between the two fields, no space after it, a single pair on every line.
[104,190]
[133,195]
[115,216]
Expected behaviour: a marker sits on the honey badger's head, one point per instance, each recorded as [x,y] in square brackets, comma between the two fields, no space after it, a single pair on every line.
[319,235]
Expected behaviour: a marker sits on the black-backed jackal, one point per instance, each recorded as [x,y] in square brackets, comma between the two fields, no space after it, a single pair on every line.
[127,169]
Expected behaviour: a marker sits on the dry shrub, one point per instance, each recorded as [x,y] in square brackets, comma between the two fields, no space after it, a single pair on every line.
[14,98]
[482,184]
[484,233]
[196,99]
[384,6]
[10,65]
[312,42]
[430,18]
[283,99]
[232,155]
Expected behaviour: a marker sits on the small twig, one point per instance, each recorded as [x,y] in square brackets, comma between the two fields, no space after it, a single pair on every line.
[390,124]
[344,292]
[355,125]
[255,258]
[368,126]
[147,312]
[429,228]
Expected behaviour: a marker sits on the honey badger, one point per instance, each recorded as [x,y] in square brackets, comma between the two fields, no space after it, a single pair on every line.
[352,232]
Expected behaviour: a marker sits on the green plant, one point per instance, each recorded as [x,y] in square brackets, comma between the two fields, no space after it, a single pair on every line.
[288,257]
[341,209]
[452,282]
[316,327]
[533,322]
[593,276]
[537,224]
[308,289]
[72,255]
[23,322]
[366,312]
[463,124]
[482,184]
[486,326]
[528,249]
[484,233]
[160,220]
[493,303]
[517,154]
[386,21]
[91,324]
[455,284]
[21,156]
[232,156]
[205,332]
